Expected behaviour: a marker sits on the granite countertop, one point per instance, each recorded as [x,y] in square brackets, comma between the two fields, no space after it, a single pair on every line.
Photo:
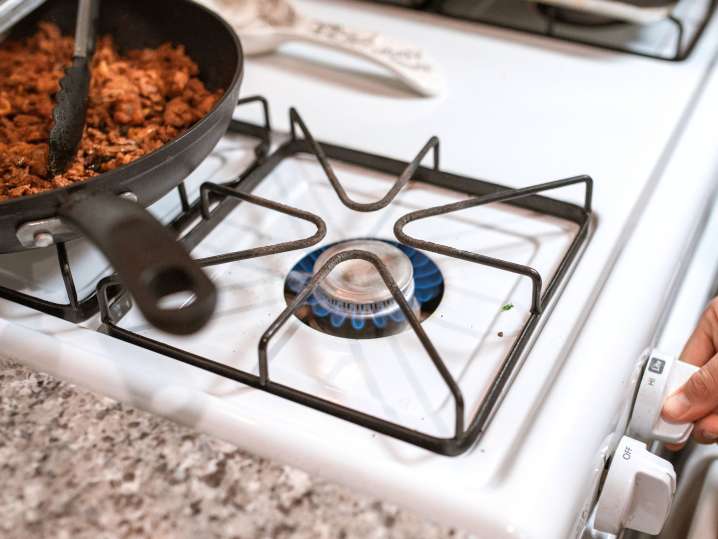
[77,465]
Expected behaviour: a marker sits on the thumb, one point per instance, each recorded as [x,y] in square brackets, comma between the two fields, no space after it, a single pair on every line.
[697,398]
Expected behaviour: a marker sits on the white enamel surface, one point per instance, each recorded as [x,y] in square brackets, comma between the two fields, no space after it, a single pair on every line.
[698,285]
[535,471]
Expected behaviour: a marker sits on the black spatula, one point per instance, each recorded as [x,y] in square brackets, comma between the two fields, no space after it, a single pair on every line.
[71,102]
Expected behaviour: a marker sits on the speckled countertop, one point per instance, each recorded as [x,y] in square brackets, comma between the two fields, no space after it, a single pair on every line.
[77,465]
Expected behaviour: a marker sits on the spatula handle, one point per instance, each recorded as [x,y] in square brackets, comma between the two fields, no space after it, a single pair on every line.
[408,62]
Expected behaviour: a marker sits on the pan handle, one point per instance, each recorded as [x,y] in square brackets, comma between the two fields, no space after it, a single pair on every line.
[147,258]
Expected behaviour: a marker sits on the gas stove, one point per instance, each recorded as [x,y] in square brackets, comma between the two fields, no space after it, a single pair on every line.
[388,324]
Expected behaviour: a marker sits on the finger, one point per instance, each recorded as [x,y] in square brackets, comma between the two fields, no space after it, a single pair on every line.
[674,447]
[701,345]
[696,398]
[704,432]
[706,429]
[700,438]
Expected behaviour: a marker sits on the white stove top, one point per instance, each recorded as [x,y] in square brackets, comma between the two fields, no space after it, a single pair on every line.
[520,110]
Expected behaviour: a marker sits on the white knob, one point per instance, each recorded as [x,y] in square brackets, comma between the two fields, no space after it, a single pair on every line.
[662,376]
[638,491]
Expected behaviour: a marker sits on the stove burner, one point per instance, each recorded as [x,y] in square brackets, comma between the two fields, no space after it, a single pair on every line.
[200,218]
[353,300]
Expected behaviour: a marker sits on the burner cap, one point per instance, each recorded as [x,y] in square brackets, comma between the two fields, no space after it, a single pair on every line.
[353,301]
[355,287]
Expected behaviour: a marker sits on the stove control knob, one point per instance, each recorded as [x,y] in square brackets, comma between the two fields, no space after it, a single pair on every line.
[662,376]
[638,491]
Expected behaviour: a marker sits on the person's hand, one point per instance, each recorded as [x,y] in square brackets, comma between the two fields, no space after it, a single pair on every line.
[697,400]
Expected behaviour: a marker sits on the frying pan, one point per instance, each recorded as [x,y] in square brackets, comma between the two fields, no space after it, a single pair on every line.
[109,209]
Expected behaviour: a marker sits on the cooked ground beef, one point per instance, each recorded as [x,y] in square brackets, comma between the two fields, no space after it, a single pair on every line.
[138,103]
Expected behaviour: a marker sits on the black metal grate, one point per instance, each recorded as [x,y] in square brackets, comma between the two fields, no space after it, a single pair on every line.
[546,20]
[479,191]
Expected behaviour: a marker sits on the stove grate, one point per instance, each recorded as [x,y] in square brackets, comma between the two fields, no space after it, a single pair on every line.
[210,188]
[671,38]
[480,192]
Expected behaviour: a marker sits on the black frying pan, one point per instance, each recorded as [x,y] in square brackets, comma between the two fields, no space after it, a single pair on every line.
[151,264]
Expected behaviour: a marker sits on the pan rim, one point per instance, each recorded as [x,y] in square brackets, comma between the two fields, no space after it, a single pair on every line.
[108,177]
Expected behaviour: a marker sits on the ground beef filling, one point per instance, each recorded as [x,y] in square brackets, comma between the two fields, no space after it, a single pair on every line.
[138,103]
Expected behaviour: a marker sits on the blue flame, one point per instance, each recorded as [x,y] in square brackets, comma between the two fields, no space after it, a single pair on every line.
[337,320]
[319,311]
[428,284]
[358,323]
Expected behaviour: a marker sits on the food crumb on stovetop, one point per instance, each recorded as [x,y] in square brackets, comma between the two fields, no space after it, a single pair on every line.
[507,307]
[137,103]
[500,333]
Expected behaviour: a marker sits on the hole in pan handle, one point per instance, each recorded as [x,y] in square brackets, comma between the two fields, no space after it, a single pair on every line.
[170,289]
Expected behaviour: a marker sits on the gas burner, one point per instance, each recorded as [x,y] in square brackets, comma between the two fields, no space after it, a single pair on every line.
[333,290]
[575,17]
[353,301]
